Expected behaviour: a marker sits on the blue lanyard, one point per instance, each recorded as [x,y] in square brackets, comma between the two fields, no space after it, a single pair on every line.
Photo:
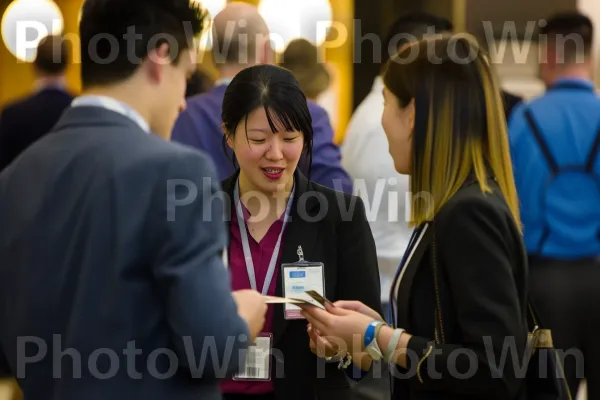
[246,245]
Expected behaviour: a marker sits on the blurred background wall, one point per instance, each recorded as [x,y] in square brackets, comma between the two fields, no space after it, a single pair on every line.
[348,49]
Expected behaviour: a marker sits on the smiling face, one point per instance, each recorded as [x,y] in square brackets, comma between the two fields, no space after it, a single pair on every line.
[267,160]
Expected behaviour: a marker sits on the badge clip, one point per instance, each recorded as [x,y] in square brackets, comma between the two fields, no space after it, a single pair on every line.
[300,254]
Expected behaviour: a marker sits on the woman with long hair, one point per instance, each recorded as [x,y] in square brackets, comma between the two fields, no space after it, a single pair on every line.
[289,235]
[459,299]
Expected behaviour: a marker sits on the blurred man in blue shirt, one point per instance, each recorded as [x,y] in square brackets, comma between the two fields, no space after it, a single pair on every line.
[240,40]
[555,141]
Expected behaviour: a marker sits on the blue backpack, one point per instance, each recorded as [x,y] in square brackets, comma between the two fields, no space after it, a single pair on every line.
[560,184]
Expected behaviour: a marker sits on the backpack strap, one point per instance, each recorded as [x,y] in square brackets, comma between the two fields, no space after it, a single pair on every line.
[591,159]
[543,145]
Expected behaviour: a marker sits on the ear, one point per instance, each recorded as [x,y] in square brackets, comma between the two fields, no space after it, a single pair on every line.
[157,59]
[228,137]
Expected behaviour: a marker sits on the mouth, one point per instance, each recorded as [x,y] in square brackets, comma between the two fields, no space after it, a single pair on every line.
[273,173]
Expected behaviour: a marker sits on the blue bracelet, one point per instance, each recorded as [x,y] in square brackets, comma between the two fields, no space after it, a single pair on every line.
[370,332]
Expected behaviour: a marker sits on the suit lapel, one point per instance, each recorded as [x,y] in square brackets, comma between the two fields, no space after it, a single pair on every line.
[412,264]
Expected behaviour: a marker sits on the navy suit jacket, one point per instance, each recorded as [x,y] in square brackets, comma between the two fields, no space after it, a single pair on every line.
[110,288]
[199,126]
[25,121]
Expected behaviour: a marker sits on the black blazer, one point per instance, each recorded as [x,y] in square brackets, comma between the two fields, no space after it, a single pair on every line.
[340,238]
[482,274]
[27,120]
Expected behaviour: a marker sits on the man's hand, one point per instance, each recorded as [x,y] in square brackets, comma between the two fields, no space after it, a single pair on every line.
[252,308]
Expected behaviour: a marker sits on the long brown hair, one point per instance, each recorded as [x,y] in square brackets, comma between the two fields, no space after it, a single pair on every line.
[460,126]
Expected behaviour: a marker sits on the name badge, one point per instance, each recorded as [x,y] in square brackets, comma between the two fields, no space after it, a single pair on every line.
[298,278]
[257,366]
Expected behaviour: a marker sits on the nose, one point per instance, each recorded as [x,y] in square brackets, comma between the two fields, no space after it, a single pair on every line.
[274,153]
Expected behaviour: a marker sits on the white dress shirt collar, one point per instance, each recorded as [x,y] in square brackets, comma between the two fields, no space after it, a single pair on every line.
[112,104]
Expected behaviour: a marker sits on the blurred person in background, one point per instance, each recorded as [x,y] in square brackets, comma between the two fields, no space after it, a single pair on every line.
[200,82]
[26,120]
[302,58]
[241,40]
[94,250]
[462,286]
[555,146]
[366,158]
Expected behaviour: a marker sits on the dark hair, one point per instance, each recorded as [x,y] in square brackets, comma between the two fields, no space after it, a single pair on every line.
[278,92]
[52,55]
[459,122]
[566,26]
[413,24]
[108,27]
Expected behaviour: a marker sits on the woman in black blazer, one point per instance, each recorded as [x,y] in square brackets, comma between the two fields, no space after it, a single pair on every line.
[277,217]
[459,300]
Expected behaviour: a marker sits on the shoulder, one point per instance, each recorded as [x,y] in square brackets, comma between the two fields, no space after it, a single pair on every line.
[135,154]
[15,106]
[190,162]
[337,206]
[470,206]
[517,122]
[317,112]
[197,101]
[211,100]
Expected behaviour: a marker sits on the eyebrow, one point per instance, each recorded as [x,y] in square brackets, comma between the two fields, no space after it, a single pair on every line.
[264,130]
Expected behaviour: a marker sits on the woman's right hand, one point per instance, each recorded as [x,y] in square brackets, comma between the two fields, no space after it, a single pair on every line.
[357,306]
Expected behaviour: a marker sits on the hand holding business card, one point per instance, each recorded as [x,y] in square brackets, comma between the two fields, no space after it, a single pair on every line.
[318,298]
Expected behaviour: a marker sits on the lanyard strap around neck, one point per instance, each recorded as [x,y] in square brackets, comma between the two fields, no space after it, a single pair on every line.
[246,244]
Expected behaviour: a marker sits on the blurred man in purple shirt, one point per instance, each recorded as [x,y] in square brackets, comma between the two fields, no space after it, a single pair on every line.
[240,40]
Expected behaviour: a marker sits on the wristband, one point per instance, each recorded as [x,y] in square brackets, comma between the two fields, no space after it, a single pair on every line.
[391,350]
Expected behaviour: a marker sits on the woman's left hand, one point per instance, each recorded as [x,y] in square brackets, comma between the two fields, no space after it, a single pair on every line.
[335,322]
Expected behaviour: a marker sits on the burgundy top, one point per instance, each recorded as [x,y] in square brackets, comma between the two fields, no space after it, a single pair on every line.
[261,256]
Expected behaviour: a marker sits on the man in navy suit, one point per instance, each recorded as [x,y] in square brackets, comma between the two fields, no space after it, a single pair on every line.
[240,40]
[26,120]
[112,281]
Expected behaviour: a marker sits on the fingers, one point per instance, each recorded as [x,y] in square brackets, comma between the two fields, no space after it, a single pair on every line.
[359,307]
[319,319]
[349,305]
[336,310]
[320,346]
